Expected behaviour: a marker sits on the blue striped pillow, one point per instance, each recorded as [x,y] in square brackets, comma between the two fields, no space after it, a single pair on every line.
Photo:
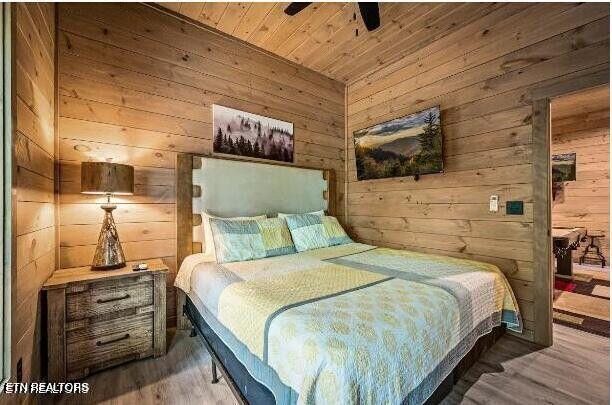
[307,231]
[237,241]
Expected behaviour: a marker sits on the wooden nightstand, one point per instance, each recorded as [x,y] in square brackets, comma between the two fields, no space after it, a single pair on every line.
[98,319]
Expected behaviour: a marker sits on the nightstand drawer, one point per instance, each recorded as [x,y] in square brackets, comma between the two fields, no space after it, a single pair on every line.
[99,298]
[108,342]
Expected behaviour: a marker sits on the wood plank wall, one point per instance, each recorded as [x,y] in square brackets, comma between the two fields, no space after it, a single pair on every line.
[586,132]
[137,86]
[34,154]
[481,75]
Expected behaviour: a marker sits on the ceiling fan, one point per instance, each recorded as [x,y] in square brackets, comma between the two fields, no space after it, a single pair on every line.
[369,12]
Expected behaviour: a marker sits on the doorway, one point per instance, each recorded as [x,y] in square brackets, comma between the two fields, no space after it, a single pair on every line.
[542,247]
[579,133]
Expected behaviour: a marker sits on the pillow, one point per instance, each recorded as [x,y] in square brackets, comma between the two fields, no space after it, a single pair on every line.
[237,241]
[276,236]
[209,245]
[307,231]
[319,213]
[336,235]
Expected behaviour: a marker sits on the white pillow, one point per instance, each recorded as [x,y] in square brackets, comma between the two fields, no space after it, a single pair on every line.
[209,243]
[320,213]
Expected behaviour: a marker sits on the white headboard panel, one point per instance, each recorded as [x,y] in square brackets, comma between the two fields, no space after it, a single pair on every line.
[230,188]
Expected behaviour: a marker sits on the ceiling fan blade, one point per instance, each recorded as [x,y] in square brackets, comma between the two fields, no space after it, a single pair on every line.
[294,8]
[370,15]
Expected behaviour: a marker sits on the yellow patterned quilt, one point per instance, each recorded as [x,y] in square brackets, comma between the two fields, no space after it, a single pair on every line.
[353,324]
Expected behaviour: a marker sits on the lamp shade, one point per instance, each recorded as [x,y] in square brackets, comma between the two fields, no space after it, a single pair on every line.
[106,178]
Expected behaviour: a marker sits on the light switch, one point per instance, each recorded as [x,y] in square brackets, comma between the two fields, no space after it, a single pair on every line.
[494,203]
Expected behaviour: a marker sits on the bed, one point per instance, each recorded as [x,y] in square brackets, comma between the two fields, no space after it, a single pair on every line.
[352,323]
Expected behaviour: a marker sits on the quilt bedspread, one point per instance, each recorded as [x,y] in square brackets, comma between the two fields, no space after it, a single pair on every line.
[354,324]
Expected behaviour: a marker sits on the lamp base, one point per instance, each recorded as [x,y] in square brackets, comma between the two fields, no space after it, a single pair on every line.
[109,267]
[109,254]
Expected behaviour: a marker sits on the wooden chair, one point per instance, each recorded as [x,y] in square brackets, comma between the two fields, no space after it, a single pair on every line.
[593,248]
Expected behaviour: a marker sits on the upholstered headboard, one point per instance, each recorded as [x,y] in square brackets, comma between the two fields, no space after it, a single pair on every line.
[230,187]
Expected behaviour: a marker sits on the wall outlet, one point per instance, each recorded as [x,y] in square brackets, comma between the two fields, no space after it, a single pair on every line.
[494,203]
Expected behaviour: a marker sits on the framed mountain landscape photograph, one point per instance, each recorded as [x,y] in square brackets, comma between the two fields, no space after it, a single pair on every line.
[406,146]
[244,134]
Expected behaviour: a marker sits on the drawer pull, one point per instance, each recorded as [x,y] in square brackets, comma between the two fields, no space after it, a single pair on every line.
[101,301]
[100,343]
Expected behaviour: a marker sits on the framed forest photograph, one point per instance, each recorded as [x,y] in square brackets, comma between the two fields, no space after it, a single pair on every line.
[242,133]
[406,146]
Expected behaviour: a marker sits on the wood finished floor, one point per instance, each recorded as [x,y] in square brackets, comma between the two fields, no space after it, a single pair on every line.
[574,371]
[576,307]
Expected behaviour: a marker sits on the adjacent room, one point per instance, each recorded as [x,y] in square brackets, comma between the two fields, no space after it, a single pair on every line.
[305,203]
[580,129]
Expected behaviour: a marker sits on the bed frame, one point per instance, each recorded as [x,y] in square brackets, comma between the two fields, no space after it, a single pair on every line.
[244,387]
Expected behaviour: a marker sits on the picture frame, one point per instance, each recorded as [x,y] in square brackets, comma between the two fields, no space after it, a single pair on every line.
[246,134]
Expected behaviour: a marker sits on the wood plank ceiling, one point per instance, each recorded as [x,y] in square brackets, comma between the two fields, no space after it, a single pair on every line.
[323,37]
[584,102]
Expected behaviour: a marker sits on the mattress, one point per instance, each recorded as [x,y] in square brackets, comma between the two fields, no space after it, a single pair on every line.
[351,323]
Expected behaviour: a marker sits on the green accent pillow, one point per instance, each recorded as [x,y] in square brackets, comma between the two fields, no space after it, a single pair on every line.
[336,235]
[307,231]
[237,241]
[276,236]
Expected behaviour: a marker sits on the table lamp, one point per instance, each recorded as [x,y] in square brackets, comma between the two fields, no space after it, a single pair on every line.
[107,178]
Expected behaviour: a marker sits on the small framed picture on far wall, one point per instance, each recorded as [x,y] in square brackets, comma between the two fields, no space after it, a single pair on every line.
[564,167]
